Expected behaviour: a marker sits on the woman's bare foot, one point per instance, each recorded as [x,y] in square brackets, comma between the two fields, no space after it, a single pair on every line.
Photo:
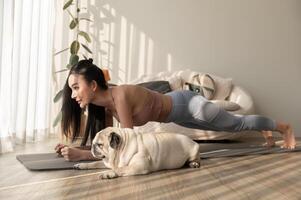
[287,134]
[268,136]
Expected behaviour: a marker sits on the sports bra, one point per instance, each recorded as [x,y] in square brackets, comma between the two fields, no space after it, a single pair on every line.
[150,112]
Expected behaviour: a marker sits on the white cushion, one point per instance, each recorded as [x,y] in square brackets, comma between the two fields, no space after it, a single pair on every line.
[203,82]
[175,82]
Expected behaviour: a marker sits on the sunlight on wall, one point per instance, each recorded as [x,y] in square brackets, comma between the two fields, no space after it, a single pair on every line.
[122,66]
[130,51]
[150,54]
[136,53]
[118,44]
[111,41]
[123,48]
[169,59]
[141,55]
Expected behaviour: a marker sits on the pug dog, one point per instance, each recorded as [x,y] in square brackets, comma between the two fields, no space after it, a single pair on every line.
[127,152]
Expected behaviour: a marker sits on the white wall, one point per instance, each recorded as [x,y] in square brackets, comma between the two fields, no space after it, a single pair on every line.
[256,42]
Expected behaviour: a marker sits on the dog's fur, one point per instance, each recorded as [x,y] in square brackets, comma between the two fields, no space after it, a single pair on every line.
[127,152]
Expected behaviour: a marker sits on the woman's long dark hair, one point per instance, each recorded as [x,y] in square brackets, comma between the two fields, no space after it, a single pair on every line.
[71,111]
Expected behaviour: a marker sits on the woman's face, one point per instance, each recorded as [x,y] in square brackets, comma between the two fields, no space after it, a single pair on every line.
[82,91]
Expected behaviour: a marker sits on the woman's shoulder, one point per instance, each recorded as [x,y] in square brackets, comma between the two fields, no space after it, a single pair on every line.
[123,90]
[123,86]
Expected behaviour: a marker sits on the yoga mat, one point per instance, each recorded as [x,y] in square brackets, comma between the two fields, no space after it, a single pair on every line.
[247,151]
[45,161]
[51,161]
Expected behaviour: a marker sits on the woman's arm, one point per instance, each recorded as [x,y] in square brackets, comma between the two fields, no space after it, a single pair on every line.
[84,147]
[87,155]
[80,152]
[76,154]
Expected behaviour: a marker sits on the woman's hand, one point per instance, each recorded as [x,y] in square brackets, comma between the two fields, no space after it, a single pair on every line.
[73,154]
[59,147]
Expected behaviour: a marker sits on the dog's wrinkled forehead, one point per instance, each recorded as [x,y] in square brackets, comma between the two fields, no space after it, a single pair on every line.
[103,134]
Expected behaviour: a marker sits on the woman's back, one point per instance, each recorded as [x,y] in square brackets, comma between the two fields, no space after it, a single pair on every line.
[146,105]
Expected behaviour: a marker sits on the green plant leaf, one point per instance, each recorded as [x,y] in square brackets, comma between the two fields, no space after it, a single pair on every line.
[68,66]
[67,4]
[87,48]
[57,119]
[74,47]
[58,96]
[73,60]
[61,51]
[85,35]
[73,23]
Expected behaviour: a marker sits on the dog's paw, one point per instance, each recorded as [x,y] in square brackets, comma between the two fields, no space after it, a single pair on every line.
[195,164]
[108,175]
[80,166]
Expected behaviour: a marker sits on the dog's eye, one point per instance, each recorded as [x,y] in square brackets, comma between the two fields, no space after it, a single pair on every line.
[100,145]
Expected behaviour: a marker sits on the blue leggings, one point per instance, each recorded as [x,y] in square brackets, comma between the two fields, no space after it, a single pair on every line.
[194,111]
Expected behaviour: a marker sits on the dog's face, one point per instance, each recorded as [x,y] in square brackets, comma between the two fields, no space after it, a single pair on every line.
[105,143]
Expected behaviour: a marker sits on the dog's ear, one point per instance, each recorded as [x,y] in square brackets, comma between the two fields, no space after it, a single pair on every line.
[114,139]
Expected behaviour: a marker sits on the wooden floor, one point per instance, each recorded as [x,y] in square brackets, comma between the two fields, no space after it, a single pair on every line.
[274,176]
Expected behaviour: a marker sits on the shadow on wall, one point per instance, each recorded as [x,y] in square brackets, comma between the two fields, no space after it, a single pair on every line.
[133,38]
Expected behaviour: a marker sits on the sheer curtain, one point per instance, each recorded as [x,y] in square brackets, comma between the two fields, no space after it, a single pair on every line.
[26,34]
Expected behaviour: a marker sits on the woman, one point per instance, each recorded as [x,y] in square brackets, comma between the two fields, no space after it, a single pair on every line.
[135,106]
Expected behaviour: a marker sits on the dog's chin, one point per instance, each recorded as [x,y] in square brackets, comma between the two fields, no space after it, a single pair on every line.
[98,155]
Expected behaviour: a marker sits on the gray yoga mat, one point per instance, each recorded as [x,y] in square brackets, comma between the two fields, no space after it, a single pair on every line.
[247,151]
[51,161]
[45,161]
